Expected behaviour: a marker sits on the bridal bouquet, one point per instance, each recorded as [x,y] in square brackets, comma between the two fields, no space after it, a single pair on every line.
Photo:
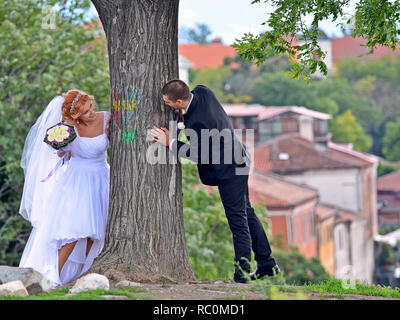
[60,135]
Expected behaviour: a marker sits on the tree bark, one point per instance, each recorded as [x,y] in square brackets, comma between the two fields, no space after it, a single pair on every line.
[145,238]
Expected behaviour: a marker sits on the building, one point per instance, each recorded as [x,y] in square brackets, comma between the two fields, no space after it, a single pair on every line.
[389,199]
[340,234]
[325,221]
[344,178]
[184,66]
[348,47]
[206,55]
[270,122]
[326,46]
[291,209]
[388,252]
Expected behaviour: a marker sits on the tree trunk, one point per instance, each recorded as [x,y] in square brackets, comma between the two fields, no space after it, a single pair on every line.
[145,237]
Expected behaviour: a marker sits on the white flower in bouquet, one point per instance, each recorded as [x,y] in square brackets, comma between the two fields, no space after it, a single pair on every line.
[181,125]
[58,133]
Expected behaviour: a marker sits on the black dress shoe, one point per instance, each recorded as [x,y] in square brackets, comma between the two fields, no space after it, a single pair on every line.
[261,272]
[241,280]
[239,277]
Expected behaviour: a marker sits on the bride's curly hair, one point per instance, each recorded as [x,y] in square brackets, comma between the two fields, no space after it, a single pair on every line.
[76,113]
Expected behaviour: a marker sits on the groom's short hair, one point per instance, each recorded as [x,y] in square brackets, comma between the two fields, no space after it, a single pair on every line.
[176,89]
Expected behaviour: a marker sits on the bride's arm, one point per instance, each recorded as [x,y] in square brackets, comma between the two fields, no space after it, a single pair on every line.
[108,127]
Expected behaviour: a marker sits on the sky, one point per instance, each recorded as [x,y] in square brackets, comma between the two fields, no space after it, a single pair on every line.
[231,19]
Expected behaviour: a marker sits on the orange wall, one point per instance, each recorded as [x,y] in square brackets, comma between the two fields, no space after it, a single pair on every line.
[305,239]
[279,226]
[326,244]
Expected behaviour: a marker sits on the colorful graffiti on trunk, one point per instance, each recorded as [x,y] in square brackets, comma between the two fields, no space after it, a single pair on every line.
[124,106]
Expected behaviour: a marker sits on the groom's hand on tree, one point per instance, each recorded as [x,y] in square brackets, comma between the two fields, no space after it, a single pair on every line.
[160,135]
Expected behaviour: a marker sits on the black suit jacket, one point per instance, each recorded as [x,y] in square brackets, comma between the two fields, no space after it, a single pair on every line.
[211,137]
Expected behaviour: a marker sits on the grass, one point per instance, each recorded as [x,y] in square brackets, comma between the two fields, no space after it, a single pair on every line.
[277,288]
[60,294]
[279,292]
[336,286]
[273,289]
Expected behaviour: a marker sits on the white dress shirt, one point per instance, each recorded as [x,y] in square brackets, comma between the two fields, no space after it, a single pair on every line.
[187,108]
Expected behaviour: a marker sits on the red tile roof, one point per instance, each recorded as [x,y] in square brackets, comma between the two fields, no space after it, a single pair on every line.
[304,155]
[262,113]
[349,47]
[352,155]
[345,216]
[325,212]
[277,192]
[389,182]
[242,110]
[206,55]
[272,111]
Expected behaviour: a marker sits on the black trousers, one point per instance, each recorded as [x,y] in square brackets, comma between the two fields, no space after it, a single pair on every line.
[247,231]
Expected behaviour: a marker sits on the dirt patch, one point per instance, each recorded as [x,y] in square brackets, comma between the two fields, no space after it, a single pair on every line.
[200,291]
[229,291]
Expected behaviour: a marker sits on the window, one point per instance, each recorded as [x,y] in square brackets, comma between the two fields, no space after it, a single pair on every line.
[320,127]
[340,239]
[276,128]
[237,122]
[249,122]
[289,125]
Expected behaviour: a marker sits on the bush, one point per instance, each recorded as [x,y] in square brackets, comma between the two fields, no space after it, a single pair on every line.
[386,169]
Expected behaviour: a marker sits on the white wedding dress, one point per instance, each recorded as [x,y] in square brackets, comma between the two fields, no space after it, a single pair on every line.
[75,209]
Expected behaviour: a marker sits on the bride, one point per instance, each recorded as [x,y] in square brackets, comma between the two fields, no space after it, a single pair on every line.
[68,210]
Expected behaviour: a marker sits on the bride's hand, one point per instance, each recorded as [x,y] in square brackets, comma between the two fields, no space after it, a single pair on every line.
[61,154]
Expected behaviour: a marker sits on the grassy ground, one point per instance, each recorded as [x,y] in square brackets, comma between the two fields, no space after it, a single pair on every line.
[336,286]
[332,288]
[275,289]
[61,294]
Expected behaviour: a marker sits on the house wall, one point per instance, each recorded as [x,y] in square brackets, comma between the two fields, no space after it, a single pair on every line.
[390,214]
[326,47]
[278,225]
[304,229]
[184,74]
[338,187]
[359,259]
[326,247]
[370,258]
[354,256]
[341,237]
[369,211]
[353,190]
[297,226]
[369,200]
[306,129]
[184,66]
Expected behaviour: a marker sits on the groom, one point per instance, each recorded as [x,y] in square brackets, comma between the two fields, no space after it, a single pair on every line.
[203,111]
